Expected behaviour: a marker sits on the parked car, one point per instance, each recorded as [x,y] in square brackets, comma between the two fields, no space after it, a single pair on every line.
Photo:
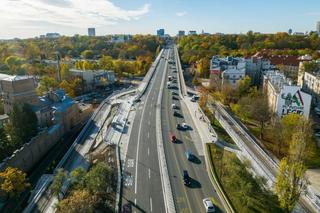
[317,134]
[186,178]
[208,205]
[173,106]
[189,155]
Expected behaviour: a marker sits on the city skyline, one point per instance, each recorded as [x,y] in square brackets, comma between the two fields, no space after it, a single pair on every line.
[26,19]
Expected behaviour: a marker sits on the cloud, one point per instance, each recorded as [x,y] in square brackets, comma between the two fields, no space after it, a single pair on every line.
[66,13]
[180,14]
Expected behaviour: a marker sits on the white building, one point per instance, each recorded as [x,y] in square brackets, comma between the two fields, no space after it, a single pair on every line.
[227,70]
[318,27]
[91,31]
[95,78]
[284,98]
[234,73]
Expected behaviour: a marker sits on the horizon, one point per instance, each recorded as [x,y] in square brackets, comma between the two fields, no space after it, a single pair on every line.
[32,18]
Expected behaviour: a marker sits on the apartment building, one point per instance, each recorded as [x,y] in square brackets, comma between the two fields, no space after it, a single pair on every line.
[94,78]
[17,90]
[283,97]
[227,70]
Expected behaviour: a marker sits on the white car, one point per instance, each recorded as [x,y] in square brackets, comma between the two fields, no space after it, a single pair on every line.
[173,106]
[208,205]
[184,125]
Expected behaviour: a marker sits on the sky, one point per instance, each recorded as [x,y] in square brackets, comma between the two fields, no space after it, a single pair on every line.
[30,18]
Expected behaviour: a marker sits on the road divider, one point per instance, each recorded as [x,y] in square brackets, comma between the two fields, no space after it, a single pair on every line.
[165,181]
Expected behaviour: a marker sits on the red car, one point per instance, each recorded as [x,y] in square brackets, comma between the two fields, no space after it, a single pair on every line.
[173,138]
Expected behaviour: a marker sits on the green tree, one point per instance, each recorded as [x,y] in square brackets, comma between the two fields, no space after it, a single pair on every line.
[23,125]
[290,183]
[13,182]
[87,54]
[46,84]
[59,178]
[106,63]
[260,112]
[99,178]
[244,86]
[6,147]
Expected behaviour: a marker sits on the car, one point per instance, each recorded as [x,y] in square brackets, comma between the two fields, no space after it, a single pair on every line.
[189,155]
[173,106]
[208,205]
[182,126]
[127,208]
[185,126]
[317,109]
[173,138]
[317,134]
[175,113]
[186,178]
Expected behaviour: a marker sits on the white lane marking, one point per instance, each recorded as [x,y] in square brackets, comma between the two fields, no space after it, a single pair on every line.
[149,122]
[148,135]
[135,201]
[150,204]
[130,163]
[148,151]
[149,174]
[139,138]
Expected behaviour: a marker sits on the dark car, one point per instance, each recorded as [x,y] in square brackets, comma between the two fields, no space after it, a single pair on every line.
[186,178]
[189,155]
[175,113]
[127,208]
[173,138]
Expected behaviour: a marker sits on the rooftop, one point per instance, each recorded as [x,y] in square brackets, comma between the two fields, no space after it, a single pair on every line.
[5,77]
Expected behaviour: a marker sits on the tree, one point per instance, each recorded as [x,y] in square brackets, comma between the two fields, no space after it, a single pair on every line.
[106,63]
[23,125]
[80,201]
[260,112]
[5,146]
[244,86]
[290,183]
[77,177]
[87,54]
[13,182]
[58,181]
[46,84]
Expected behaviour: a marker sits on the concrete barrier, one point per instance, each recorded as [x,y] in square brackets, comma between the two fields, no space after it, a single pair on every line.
[166,185]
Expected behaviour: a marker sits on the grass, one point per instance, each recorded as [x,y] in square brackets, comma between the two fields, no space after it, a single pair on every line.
[222,134]
[245,192]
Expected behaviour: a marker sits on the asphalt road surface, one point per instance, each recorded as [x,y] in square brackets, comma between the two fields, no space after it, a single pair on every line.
[187,198]
[142,181]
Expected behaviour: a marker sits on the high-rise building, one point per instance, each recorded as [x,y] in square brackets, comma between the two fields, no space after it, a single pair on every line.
[318,27]
[181,33]
[160,32]
[192,32]
[91,31]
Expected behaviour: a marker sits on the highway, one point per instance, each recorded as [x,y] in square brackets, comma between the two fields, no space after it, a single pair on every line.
[187,198]
[142,180]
